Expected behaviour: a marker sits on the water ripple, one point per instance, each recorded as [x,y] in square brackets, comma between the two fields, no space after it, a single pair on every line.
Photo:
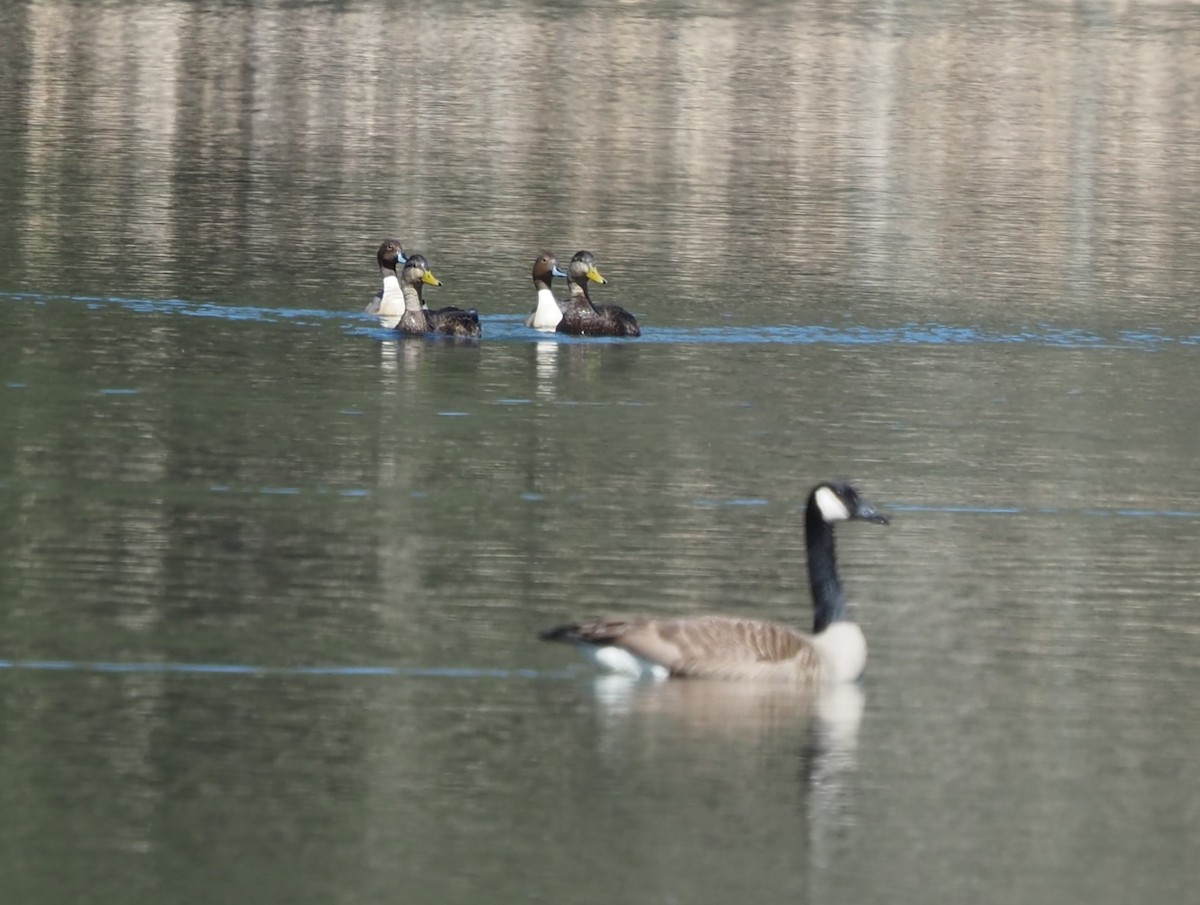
[358,493]
[246,669]
[185,308]
[511,328]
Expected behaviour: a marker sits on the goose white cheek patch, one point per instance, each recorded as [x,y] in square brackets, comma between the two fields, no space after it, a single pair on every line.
[832,508]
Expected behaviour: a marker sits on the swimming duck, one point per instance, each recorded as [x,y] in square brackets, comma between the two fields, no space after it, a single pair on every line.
[733,647]
[388,303]
[451,320]
[418,319]
[548,312]
[581,317]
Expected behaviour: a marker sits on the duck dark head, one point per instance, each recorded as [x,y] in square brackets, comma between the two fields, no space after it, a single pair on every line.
[838,502]
[416,270]
[390,255]
[545,268]
[583,268]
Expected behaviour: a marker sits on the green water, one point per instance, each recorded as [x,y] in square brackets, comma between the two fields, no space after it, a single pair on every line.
[270,580]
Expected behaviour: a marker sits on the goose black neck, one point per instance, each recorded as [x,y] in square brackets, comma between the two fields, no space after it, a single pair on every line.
[829,603]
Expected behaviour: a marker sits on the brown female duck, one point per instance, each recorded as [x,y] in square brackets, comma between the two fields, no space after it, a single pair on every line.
[581,317]
[418,319]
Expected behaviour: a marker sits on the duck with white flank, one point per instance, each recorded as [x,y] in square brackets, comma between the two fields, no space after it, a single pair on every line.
[548,312]
[732,647]
[581,317]
[417,319]
[388,303]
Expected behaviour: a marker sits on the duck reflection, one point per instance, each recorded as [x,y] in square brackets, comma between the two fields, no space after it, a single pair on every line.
[546,362]
[411,355]
[389,352]
[396,356]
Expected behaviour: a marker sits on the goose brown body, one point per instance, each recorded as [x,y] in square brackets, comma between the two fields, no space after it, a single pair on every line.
[715,647]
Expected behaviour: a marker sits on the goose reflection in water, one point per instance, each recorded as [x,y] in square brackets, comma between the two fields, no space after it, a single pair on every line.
[746,710]
[747,734]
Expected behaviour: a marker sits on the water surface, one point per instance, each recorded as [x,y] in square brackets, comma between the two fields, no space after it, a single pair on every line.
[270,580]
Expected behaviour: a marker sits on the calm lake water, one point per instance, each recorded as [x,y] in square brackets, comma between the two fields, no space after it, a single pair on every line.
[270,580]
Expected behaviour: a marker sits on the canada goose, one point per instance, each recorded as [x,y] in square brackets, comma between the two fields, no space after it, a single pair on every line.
[733,647]
[388,303]
[548,312]
[417,319]
[580,316]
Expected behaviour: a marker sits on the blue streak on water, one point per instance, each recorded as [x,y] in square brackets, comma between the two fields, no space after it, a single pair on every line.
[504,327]
[185,308]
[117,391]
[1045,510]
[247,669]
[971,510]
[511,327]
[47,665]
